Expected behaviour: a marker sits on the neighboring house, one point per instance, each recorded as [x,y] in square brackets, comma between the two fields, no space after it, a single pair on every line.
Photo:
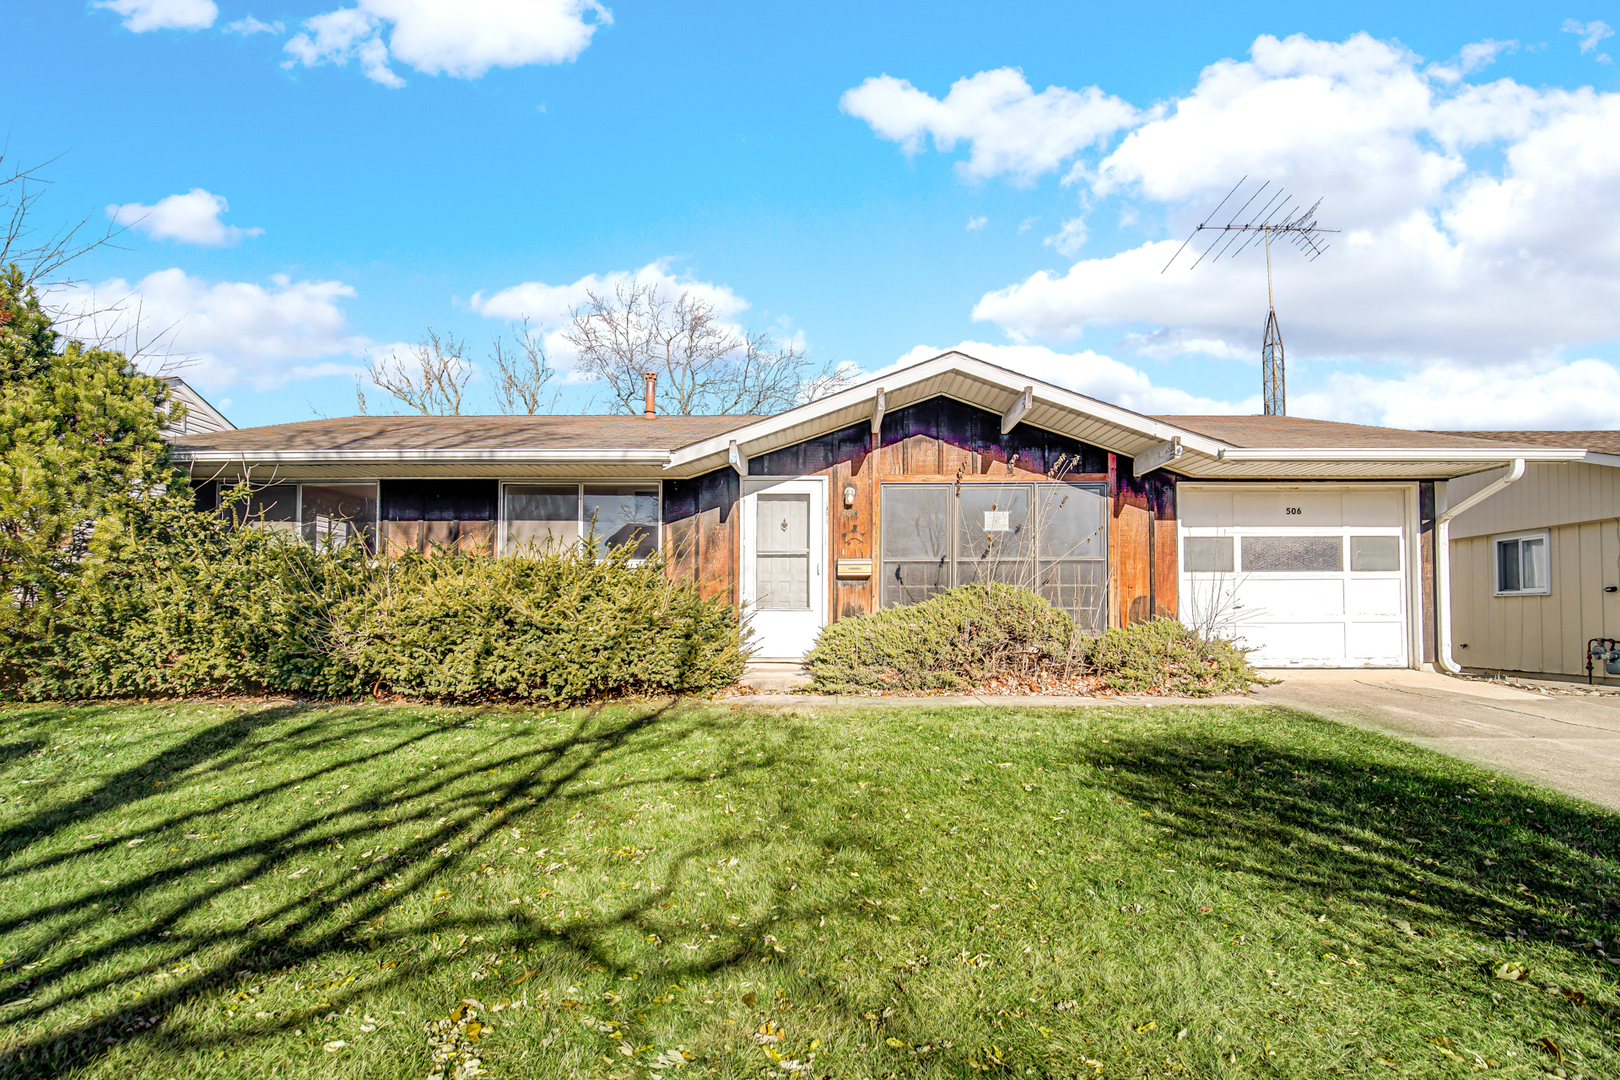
[1311,540]
[200,418]
[1536,569]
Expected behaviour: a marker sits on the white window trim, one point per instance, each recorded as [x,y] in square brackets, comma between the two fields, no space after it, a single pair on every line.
[581,485]
[1545,535]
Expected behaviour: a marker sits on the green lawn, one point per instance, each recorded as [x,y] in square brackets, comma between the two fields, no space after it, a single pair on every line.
[252,890]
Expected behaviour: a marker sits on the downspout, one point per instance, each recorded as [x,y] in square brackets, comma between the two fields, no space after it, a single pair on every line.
[1442,562]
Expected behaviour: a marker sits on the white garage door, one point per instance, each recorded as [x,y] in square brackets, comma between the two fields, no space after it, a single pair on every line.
[1306,577]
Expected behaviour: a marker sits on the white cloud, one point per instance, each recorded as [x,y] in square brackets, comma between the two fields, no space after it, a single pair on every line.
[192,218]
[143,15]
[1590,33]
[546,307]
[1027,224]
[1582,395]
[234,331]
[250,25]
[1069,238]
[1011,129]
[1470,58]
[977,223]
[1478,224]
[1088,373]
[461,38]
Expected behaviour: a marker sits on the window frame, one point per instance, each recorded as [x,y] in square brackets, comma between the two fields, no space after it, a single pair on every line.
[579,501]
[1545,536]
[297,530]
[954,560]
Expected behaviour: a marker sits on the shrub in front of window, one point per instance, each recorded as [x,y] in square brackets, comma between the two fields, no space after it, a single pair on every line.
[953,641]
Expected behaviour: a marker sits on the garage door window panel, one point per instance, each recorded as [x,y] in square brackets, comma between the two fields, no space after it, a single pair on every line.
[1375,554]
[1293,554]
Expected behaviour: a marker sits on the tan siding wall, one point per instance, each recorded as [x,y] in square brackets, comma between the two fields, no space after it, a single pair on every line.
[1547,495]
[1545,634]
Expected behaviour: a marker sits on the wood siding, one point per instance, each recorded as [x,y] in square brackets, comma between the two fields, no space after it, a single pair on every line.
[1537,634]
[941,439]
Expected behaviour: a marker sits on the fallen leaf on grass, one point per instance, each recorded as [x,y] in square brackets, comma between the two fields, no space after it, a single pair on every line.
[1510,971]
[1551,1048]
[334,1046]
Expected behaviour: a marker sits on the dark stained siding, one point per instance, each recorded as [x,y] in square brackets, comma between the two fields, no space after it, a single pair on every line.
[948,421]
[700,531]
[426,515]
[817,455]
[1143,545]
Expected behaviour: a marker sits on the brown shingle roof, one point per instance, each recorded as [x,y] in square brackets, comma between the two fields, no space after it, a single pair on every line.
[1603,442]
[468,433]
[1267,432]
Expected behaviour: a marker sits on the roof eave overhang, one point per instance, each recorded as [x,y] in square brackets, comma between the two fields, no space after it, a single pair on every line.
[1351,463]
[953,375]
[652,458]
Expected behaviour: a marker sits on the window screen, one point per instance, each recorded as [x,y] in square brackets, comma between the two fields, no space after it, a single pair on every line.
[1073,546]
[540,517]
[994,538]
[1293,554]
[617,516]
[274,507]
[333,514]
[1374,553]
[916,542]
[782,552]
[1208,554]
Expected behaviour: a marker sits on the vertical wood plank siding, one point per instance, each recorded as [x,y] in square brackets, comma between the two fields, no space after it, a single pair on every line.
[938,439]
[428,515]
[700,531]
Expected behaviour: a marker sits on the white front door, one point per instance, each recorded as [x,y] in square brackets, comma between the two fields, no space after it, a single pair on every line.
[784,582]
[1305,576]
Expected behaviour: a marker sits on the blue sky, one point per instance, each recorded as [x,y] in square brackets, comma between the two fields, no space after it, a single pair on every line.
[741,149]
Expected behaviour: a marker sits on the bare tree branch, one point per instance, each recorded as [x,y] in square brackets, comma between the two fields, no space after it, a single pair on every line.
[522,372]
[430,379]
[705,366]
[39,256]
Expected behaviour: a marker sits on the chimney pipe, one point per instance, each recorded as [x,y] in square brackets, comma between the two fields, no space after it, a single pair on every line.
[652,389]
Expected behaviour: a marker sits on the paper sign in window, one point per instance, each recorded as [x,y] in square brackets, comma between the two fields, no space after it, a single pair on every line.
[997,521]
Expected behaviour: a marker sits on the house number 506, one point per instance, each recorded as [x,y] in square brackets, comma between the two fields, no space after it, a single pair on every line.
[1294,510]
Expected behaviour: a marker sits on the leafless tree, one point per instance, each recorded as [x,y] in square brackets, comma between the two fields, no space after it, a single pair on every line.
[523,372]
[705,365]
[40,256]
[431,378]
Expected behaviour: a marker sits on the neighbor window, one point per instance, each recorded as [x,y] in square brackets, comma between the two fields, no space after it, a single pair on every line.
[1521,565]
[558,516]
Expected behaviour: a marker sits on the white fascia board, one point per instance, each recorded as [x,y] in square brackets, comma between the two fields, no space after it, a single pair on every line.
[893,381]
[343,457]
[1486,458]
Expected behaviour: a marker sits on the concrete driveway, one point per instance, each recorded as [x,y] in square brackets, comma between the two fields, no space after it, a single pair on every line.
[1567,742]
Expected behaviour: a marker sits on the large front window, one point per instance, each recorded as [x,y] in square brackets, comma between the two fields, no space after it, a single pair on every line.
[1050,538]
[538,517]
[326,516]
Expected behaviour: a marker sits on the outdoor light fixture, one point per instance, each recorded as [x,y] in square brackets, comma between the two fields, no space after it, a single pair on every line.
[849,496]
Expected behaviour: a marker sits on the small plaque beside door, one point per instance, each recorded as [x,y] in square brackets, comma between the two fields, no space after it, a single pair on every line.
[855,568]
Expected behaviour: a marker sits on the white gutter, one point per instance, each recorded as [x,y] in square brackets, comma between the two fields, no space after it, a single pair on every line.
[1442,562]
[1488,456]
[583,455]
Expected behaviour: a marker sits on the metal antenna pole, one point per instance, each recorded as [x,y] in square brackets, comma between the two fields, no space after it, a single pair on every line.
[1280,214]
[1273,379]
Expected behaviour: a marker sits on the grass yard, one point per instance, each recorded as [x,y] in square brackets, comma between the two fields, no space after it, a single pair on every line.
[264,889]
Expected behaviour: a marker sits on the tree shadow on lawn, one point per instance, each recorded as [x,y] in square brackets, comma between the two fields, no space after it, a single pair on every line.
[1365,820]
[454,810]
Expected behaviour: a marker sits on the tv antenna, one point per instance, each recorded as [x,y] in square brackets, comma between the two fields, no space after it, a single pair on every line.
[1279,216]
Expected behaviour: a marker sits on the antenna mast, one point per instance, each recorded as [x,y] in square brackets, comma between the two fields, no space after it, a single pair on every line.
[1279,216]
